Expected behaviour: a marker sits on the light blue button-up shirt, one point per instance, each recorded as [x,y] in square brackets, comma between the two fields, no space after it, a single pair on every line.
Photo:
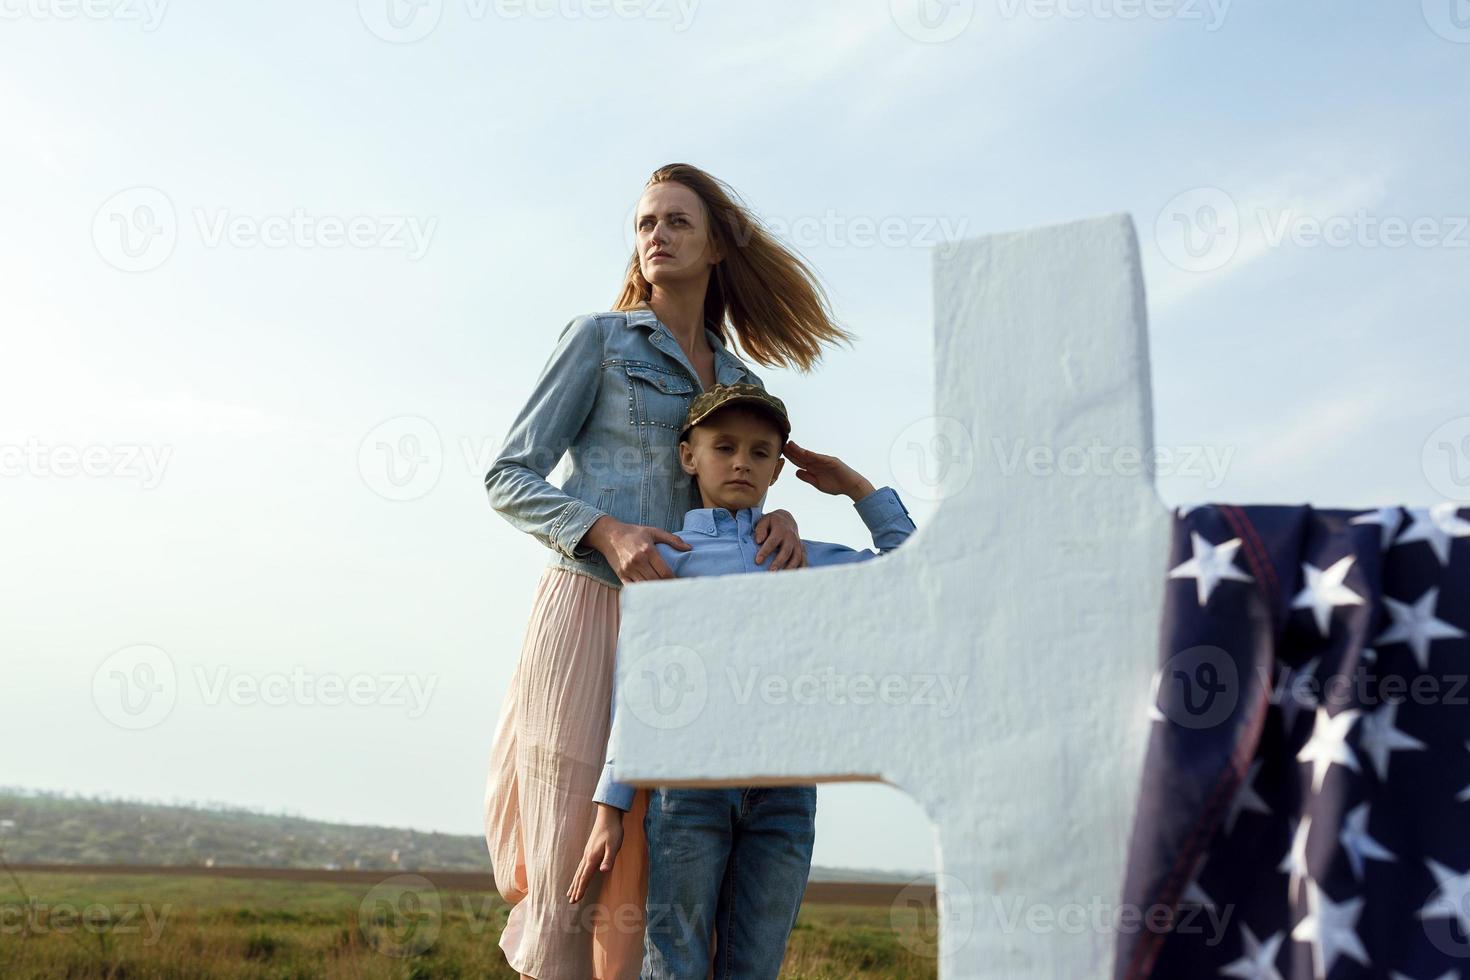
[723,543]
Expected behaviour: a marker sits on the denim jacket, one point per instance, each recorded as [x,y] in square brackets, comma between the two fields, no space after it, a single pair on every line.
[613,394]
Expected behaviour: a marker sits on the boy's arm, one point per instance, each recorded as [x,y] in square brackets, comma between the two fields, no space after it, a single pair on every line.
[887,519]
[609,791]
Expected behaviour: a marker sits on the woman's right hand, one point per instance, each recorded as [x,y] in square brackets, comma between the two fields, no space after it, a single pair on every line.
[629,548]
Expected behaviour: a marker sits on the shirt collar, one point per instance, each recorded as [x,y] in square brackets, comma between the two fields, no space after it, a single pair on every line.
[717,521]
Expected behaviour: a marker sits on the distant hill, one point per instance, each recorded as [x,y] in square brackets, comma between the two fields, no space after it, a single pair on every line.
[40,827]
[46,827]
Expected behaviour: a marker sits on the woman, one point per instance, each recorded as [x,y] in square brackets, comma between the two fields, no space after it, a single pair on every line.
[613,395]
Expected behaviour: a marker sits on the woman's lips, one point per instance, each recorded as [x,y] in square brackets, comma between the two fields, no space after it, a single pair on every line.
[742,483]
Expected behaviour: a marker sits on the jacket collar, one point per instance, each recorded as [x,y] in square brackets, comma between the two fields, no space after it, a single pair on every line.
[642,316]
[710,520]
[728,368]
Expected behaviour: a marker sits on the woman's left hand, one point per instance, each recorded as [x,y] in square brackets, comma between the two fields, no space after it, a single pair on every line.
[776,532]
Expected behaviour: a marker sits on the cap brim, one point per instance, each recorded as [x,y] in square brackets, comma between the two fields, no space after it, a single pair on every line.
[743,400]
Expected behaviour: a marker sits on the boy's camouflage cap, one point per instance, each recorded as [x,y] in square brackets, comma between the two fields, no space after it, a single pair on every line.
[719,396]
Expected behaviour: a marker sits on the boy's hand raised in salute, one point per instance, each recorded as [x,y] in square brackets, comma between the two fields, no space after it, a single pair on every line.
[827,473]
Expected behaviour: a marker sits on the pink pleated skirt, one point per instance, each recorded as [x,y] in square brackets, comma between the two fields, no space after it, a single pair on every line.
[545,761]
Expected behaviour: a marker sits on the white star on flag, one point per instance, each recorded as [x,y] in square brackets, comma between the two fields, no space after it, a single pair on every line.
[1328,744]
[1211,564]
[1195,895]
[1449,899]
[1332,929]
[1324,590]
[1386,517]
[1356,840]
[1437,525]
[1295,862]
[1379,737]
[1246,799]
[1417,626]
[1258,959]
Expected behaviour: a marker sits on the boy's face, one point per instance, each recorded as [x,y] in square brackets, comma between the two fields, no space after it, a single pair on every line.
[735,454]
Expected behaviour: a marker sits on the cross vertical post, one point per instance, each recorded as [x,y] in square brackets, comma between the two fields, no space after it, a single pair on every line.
[1026,609]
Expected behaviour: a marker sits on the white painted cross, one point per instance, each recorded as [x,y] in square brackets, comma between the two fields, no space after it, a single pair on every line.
[1038,588]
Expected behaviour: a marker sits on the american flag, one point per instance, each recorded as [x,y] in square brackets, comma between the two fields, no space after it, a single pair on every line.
[1304,810]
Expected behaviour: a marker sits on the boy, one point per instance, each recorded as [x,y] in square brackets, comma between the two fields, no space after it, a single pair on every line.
[732,861]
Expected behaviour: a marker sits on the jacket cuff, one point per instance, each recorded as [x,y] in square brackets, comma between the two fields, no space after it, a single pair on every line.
[569,527]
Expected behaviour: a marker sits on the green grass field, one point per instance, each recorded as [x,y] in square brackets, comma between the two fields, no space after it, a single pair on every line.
[138,927]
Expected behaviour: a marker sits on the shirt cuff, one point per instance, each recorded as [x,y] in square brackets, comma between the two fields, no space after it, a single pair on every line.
[612,792]
[880,507]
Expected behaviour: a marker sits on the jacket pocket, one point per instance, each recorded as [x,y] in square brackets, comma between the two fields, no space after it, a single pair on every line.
[657,397]
[605,499]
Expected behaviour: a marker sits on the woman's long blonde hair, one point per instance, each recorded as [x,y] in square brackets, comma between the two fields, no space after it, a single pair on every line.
[770,296]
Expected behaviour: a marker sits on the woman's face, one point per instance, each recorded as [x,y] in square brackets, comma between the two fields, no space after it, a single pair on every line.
[673,235]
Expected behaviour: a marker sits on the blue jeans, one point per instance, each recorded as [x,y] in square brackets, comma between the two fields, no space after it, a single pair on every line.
[732,861]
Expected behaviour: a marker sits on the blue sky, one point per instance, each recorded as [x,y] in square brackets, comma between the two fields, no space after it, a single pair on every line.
[488,169]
